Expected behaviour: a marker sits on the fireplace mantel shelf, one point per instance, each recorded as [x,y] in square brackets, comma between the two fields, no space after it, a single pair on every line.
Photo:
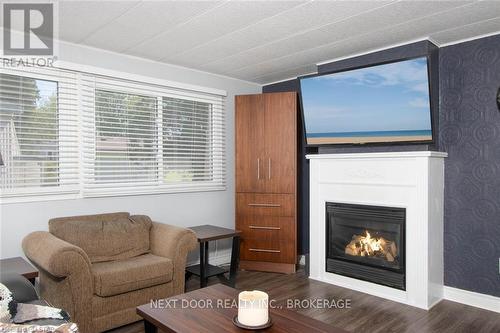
[405,154]
[410,180]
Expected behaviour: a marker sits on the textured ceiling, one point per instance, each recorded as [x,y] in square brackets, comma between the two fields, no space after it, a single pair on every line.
[267,41]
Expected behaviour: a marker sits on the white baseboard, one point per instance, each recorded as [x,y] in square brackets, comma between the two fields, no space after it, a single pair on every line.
[477,300]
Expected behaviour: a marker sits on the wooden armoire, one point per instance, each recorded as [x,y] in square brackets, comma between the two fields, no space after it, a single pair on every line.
[266,181]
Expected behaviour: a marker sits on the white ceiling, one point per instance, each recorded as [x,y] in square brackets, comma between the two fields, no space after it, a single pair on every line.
[267,41]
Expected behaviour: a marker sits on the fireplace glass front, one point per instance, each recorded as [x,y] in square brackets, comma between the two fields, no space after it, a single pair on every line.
[366,242]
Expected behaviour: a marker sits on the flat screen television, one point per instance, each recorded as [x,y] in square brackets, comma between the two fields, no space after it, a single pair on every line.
[385,103]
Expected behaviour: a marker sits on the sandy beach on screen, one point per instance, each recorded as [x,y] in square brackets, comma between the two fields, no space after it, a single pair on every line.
[328,140]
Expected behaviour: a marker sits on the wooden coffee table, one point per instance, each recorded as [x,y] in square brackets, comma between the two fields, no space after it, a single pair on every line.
[174,316]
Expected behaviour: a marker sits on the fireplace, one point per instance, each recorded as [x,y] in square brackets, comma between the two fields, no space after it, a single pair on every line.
[366,242]
[375,181]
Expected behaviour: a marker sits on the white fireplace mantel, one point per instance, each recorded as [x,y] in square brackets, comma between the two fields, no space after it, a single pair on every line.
[410,180]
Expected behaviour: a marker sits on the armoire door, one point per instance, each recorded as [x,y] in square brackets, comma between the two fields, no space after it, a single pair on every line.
[249,127]
[281,142]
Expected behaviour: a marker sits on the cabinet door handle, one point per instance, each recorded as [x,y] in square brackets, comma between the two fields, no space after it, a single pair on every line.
[269,168]
[264,250]
[263,205]
[266,228]
[258,168]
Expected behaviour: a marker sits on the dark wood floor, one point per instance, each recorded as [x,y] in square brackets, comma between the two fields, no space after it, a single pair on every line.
[367,313]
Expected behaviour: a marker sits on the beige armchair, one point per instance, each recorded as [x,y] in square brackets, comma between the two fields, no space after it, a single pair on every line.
[99,268]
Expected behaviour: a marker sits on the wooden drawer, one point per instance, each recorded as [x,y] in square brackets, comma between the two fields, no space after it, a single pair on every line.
[272,228]
[260,204]
[266,250]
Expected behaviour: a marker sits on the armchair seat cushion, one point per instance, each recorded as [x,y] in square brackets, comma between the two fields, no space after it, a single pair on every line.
[121,276]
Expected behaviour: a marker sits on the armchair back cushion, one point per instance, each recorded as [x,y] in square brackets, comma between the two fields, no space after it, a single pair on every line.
[105,237]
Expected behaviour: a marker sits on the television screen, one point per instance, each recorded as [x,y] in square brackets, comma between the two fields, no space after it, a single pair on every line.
[383,103]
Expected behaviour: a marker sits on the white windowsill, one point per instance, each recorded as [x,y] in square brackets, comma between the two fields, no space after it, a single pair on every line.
[73,195]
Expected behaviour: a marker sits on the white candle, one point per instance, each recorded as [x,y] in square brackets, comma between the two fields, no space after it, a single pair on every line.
[253,308]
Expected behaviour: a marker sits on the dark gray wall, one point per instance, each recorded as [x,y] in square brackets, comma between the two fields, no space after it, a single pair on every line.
[470,133]
[468,128]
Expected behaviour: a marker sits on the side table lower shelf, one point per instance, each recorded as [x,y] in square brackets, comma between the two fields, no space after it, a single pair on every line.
[211,270]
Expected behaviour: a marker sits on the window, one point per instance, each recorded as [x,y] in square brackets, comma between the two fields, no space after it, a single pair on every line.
[36,140]
[187,141]
[69,132]
[192,141]
[126,145]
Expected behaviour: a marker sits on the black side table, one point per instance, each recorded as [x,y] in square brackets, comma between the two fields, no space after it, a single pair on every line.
[19,266]
[205,234]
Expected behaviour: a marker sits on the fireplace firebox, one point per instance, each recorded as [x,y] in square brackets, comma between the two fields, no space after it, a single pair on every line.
[366,242]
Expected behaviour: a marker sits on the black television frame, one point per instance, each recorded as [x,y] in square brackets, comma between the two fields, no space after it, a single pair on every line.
[374,144]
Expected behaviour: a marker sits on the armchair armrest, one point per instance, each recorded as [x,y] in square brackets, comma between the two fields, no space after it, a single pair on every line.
[174,243]
[65,275]
[53,255]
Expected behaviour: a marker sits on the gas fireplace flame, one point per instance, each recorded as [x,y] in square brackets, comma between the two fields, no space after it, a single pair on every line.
[371,244]
[368,246]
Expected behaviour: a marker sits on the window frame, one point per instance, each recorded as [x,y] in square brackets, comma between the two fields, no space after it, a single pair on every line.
[87,79]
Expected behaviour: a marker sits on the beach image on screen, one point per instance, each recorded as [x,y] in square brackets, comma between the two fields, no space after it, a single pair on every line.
[385,103]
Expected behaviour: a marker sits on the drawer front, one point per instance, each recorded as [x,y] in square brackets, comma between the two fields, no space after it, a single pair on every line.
[260,204]
[272,228]
[265,250]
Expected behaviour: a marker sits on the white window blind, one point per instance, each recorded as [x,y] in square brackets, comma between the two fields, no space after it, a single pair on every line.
[193,141]
[38,132]
[143,138]
[70,132]
[126,145]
